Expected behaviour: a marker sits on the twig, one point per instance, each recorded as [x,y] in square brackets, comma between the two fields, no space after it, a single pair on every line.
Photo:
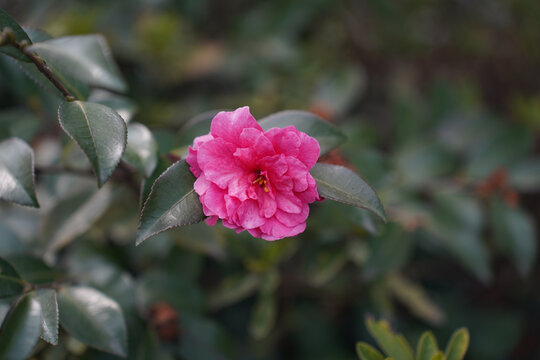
[7,37]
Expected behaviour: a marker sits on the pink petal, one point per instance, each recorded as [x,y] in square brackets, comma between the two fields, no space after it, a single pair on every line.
[216,160]
[273,229]
[288,202]
[228,125]
[248,215]
[257,140]
[309,150]
[286,141]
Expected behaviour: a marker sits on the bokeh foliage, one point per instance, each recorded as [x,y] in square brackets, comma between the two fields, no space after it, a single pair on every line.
[439,102]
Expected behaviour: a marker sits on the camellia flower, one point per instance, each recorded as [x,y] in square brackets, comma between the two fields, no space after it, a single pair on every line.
[254,180]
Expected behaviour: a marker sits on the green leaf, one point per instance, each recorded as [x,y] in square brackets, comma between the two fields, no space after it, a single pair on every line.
[20,329]
[17,172]
[141,150]
[341,184]
[263,317]
[327,265]
[49,314]
[427,346]
[93,318]
[7,21]
[146,186]
[393,345]
[515,234]
[197,126]
[172,202]
[86,57]
[368,352]
[438,356]
[10,281]
[32,269]
[99,131]
[326,134]
[458,344]
[73,216]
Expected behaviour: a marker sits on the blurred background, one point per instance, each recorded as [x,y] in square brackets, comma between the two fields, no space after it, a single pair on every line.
[440,101]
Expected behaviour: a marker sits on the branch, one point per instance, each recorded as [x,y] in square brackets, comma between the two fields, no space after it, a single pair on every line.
[7,37]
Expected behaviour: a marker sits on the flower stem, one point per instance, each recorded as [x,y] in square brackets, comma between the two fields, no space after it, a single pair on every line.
[7,37]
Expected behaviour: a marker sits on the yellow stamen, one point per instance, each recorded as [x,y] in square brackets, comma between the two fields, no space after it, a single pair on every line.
[266,189]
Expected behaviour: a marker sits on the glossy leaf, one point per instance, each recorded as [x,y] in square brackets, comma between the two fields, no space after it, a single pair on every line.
[99,131]
[10,281]
[86,57]
[515,234]
[20,329]
[162,165]
[393,345]
[368,352]
[341,184]
[7,21]
[427,346]
[326,134]
[73,216]
[172,202]
[141,150]
[93,318]
[458,344]
[49,314]
[17,172]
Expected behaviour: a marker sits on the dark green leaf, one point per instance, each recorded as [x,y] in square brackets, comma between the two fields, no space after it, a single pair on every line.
[368,352]
[393,345]
[49,314]
[458,344]
[172,202]
[146,187]
[427,346]
[326,134]
[20,329]
[93,318]
[515,234]
[10,282]
[86,57]
[99,131]
[341,184]
[32,269]
[7,21]
[141,150]
[17,172]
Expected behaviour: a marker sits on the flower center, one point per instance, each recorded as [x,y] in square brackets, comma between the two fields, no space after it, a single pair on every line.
[261,181]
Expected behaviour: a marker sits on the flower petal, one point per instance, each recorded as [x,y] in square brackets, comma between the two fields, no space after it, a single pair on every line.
[228,125]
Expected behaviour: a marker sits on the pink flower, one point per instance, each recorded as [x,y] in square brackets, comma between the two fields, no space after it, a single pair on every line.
[254,180]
